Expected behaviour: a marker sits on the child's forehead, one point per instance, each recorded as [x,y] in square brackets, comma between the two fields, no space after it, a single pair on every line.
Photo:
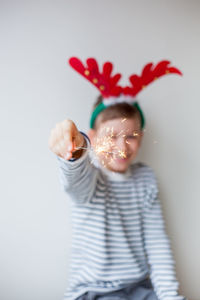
[115,125]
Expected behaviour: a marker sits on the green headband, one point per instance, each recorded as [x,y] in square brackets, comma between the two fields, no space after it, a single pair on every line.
[102,106]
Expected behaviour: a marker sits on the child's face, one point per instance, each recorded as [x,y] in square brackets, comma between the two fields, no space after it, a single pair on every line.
[116,143]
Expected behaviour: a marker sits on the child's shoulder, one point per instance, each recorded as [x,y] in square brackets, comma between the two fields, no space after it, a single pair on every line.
[144,172]
[145,176]
[143,168]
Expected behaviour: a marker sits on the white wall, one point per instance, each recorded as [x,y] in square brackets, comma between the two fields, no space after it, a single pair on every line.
[38,89]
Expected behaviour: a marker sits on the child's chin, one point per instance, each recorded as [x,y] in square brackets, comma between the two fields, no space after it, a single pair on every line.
[118,167]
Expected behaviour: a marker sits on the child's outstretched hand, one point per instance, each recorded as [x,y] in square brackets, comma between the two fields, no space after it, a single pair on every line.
[65,139]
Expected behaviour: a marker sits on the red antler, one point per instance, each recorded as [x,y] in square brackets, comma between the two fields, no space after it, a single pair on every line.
[106,84]
[148,75]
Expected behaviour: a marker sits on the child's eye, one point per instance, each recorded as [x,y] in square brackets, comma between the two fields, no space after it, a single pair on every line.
[131,137]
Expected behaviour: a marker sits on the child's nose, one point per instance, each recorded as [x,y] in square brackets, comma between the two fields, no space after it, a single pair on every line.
[121,143]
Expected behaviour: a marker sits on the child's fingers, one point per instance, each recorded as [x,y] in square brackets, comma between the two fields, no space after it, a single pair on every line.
[67,156]
[57,150]
[69,132]
[68,141]
[63,139]
[66,147]
[72,137]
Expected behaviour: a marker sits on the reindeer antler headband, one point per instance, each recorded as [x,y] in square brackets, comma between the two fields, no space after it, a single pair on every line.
[108,85]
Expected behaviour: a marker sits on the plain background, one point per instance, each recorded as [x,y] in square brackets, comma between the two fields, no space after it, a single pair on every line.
[39,89]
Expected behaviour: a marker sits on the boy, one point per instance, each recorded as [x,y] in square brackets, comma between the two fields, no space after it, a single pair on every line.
[120,249]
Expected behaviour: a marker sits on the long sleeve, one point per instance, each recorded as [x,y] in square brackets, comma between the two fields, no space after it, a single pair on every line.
[158,249]
[78,177]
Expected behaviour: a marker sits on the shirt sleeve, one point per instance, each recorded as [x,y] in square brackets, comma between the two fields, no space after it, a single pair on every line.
[78,176]
[158,248]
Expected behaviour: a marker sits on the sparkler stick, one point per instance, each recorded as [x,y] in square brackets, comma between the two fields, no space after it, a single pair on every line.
[78,148]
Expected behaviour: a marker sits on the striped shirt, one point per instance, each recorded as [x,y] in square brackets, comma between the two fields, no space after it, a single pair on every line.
[118,230]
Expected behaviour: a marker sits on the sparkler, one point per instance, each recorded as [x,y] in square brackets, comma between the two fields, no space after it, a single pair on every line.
[105,147]
[121,153]
[120,132]
[135,134]
[122,121]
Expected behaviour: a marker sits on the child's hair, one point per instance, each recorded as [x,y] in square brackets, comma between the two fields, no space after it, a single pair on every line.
[118,110]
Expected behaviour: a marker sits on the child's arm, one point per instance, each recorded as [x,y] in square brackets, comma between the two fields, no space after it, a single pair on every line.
[77,175]
[158,249]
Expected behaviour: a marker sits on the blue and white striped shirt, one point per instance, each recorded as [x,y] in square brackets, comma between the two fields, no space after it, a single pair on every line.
[119,235]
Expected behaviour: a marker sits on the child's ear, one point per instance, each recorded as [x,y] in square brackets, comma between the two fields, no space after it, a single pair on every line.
[91,135]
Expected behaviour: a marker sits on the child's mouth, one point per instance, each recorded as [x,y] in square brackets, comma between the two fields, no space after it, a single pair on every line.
[121,159]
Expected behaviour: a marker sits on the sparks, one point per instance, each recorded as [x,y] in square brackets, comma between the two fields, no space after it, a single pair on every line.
[120,132]
[122,154]
[112,132]
[105,146]
[135,134]
[123,120]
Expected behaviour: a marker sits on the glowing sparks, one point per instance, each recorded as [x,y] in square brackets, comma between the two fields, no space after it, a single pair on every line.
[110,147]
[106,146]
[120,133]
[135,134]
[103,145]
[121,153]
[123,120]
